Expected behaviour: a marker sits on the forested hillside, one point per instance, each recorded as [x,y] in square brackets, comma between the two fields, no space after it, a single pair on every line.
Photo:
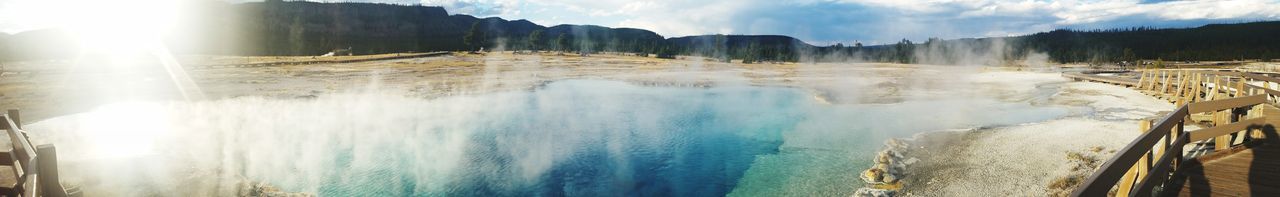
[309,28]
[1258,40]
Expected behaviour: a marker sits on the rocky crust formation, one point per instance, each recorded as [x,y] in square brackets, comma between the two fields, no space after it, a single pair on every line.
[260,189]
[884,178]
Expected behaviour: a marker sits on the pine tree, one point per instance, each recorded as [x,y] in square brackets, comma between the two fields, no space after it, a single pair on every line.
[562,43]
[474,37]
[534,39]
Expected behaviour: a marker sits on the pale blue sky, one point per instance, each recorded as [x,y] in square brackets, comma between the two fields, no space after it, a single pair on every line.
[829,21]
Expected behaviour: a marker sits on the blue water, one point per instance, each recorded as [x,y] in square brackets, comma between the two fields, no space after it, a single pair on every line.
[699,143]
[568,138]
[606,138]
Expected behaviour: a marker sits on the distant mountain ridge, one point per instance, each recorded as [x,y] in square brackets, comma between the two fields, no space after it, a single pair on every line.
[309,28]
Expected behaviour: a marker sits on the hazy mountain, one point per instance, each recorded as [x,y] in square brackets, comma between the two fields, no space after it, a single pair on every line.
[37,44]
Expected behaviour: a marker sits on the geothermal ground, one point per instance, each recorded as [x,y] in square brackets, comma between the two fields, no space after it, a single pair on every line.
[49,88]
[1021,127]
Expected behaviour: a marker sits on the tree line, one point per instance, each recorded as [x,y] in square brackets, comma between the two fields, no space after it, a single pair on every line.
[277,27]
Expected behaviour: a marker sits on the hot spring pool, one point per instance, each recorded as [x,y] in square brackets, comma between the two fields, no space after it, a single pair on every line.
[569,138]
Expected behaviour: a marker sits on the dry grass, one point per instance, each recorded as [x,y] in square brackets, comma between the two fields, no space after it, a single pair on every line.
[1083,164]
[1063,186]
[222,60]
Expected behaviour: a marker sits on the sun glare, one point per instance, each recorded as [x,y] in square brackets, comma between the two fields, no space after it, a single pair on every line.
[124,129]
[122,26]
[120,36]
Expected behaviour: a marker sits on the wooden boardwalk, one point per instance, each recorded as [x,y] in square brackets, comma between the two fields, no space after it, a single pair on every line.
[1237,153]
[1102,79]
[1249,172]
[1252,170]
[28,170]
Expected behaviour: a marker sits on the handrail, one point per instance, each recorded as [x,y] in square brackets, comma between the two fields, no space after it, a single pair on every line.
[38,165]
[1161,167]
[1206,133]
[1124,162]
[1231,103]
[1121,81]
[1101,181]
[20,143]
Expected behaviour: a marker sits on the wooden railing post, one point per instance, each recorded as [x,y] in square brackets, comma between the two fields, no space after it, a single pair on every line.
[47,167]
[1155,83]
[1240,88]
[1142,77]
[1165,88]
[1182,86]
[1151,81]
[1195,92]
[1129,178]
[1177,148]
[1179,84]
[1217,87]
[1239,137]
[1220,142]
[1266,85]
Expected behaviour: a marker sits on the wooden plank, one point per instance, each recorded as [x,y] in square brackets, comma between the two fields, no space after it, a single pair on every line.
[1250,172]
[49,182]
[1159,171]
[16,117]
[1103,79]
[1126,183]
[1152,81]
[1182,89]
[1260,77]
[1175,147]
[1143,166]
[21,147]
[29,186]
[1240,88]
[1249,76]
[1220,130]
[1263,90]
[1224,104]
[1102,180]
[1221,142]
[1195,91]
[1142,79]
[1217,87]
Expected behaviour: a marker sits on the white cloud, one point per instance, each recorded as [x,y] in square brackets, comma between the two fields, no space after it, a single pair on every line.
[825,21]
[478,8]
[902,18]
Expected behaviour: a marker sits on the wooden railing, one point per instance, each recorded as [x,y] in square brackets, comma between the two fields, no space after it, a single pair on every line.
[1146,163]
[1111,80]
[35,168]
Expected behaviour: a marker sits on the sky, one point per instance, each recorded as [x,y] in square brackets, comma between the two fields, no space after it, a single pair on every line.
[826,22]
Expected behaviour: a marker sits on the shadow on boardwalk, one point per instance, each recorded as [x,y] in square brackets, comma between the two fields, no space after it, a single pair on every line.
[1249,172]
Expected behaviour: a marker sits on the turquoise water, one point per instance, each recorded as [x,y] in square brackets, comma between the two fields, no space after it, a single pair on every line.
[604,138]
[569,138]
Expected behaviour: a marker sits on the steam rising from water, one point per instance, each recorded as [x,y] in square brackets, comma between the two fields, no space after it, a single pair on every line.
[577,137]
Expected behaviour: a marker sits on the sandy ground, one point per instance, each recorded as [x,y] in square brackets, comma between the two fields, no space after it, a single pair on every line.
[1028,159]
[43,89]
